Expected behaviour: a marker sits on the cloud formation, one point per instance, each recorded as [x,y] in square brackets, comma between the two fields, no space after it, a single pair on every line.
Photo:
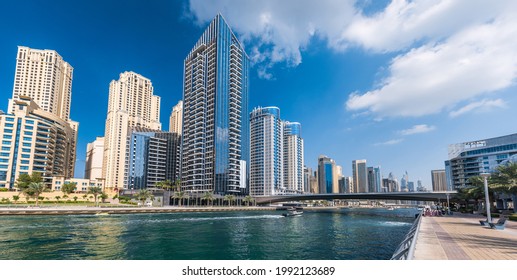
[482,106]
[447,52]
[389,142]
[416,129]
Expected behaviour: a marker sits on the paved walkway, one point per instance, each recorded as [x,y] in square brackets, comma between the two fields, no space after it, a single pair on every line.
[461,237]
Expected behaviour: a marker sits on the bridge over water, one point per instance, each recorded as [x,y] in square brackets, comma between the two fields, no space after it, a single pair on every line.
[415,196]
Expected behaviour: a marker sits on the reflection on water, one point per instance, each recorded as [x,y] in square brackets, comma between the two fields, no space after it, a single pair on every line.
[336,234]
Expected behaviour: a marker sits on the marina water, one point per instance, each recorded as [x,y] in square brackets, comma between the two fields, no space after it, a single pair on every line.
[340,234]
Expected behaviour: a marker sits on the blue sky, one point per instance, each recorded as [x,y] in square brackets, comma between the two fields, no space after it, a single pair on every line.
[393,82]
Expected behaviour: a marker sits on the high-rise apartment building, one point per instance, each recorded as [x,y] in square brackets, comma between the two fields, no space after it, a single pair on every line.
[176,118]
[307,177]
[94,158]
[374,179]
[215,136]
[131,104]
[293,157]
[439,180]
[360,176]
[327,175]
[45,77]
[151,157]
[267,158]
[472,158]
[34,140]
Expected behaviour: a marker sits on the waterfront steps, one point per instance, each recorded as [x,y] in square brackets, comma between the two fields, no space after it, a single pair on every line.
[461,237]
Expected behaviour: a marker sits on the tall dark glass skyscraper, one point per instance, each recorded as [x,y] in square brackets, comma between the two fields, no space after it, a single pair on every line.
[215,147]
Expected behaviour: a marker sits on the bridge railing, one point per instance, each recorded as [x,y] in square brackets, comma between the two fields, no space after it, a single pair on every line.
[407,247]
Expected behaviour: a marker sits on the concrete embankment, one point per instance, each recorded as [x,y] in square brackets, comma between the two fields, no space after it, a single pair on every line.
[121,210]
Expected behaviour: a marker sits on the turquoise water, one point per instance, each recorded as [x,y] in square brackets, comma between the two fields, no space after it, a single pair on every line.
[347,234]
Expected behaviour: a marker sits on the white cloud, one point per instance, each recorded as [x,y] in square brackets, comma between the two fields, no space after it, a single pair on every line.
[390,142]
[480,106]
[448,51]
[434,77]
[279,30]
[416,129]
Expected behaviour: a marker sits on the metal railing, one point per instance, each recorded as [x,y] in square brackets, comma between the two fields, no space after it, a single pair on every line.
[407,247]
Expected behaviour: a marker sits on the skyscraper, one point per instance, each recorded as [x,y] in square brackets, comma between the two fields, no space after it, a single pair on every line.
[360,176]
[293,157]
[215,137]
[327,175]
[267,158]
[94,158]
[131,104]
[176,118]
[374,179]
[45,77]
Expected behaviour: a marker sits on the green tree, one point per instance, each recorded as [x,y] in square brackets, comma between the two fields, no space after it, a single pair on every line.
[209,197]
[505,180]
[75,198]
[57,197]
[34,190]
[143,195]
[68,187]
[95,191]
[248,199]
[177,185]
[103,197]
[180,196]
[166,185]
[229,198]
[15,198]
[24,180]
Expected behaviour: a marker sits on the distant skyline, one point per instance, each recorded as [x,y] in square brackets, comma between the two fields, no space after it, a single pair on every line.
[391,82]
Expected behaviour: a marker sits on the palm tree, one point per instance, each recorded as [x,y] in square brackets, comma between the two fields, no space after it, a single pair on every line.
[35,189]
[248,199]
[180,196]
[177,185]
[230,198]
[143,195]
[209,197]
[95,191]
[68,187]
[505,180]
[103,197]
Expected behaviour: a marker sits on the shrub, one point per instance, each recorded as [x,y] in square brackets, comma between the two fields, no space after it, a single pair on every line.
[4,189]
[513,217]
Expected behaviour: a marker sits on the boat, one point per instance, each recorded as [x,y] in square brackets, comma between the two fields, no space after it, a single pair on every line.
[391,208]
[292,212]
[102,214]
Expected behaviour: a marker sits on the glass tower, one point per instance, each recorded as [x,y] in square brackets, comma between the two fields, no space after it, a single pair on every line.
[215,143]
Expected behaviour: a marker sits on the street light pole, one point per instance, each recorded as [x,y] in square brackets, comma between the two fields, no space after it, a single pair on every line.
[487,200]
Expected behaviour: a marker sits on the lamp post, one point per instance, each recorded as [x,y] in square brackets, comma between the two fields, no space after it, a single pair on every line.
[487,201]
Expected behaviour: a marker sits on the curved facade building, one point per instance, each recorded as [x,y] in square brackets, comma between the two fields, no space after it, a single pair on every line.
[293,157]
[34,140]
[266,160]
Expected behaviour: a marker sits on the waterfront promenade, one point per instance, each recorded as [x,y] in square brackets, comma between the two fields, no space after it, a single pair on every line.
[461,237]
